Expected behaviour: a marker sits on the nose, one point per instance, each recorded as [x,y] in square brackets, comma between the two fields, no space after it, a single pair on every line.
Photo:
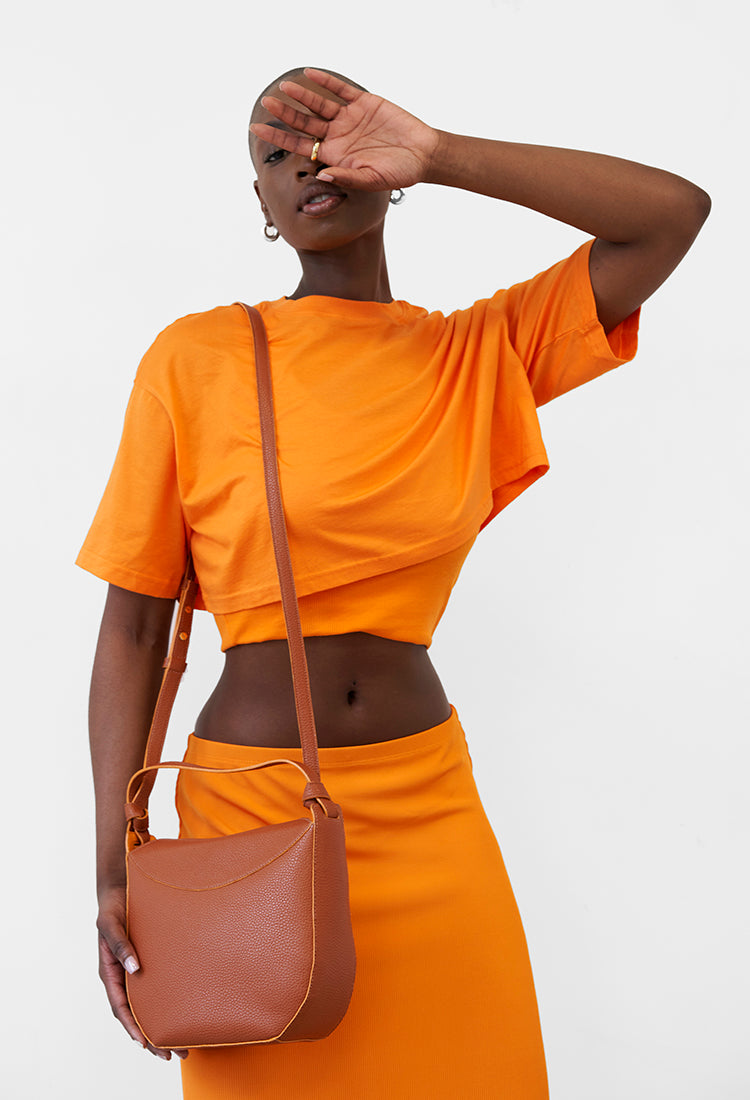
[310,168]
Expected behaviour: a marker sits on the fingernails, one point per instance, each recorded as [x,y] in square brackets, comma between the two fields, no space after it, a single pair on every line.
[164,1055]
[131,964]
[324,176]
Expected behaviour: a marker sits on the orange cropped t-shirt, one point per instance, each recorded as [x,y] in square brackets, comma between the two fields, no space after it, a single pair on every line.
[400,434]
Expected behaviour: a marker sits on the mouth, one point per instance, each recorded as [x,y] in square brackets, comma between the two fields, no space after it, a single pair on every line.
[319,199]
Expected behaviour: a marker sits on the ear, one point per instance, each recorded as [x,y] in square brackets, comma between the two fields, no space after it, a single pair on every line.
[263,206]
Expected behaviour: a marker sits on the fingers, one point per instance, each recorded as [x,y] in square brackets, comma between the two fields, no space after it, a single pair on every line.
[115,955]
[166,1055]
[113,976]
[359,179]
[113,937]
[318,104]
[298,120]
[334,84]
[283,139]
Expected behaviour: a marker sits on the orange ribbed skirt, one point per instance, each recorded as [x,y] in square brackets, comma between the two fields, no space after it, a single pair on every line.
[444,1002]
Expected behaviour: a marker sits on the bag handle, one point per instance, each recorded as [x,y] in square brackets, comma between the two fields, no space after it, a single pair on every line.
[138,833]
[176,661]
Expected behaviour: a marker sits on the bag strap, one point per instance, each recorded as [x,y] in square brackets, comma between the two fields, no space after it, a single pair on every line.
[176,661]
[290,606]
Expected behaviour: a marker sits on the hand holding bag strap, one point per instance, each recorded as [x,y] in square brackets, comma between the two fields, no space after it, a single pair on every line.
[176,662]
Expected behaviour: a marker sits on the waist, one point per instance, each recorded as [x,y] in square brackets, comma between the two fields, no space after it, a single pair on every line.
[364,689]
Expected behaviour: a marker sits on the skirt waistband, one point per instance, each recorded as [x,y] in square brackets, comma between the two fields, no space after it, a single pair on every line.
[220,754]
[387,786]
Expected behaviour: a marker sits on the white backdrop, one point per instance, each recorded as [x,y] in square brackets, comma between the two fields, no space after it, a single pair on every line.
[596,645]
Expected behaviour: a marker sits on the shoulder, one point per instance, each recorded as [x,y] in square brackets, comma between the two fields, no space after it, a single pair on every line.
[567,278]
[192,342]
[198,330]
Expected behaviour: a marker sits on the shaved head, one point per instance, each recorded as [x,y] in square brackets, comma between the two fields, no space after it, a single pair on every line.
[259,114]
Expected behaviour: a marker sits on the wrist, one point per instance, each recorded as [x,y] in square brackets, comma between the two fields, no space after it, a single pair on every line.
[112,878]
[448,161]
[432,154]
[106,887]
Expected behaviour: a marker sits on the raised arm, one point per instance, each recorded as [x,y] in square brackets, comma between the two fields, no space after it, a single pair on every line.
[127,673]
[644,219]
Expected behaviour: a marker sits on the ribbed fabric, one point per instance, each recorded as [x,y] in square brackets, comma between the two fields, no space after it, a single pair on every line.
[444,1003]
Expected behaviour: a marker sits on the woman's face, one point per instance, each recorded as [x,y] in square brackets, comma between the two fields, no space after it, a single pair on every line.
[311,215]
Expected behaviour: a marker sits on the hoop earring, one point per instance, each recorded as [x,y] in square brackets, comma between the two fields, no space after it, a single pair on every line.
[397,197]
[273,236]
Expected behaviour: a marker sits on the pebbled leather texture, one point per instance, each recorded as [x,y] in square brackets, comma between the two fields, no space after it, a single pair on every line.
[244,938]
[229,963]
[182,865]
[335,958]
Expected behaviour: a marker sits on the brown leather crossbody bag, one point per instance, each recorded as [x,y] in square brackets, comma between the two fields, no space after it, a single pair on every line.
[244,938]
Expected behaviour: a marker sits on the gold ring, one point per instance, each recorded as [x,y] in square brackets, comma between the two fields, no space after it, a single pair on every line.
[316,146]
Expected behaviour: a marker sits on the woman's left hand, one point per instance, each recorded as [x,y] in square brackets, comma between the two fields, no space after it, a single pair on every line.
[366,142]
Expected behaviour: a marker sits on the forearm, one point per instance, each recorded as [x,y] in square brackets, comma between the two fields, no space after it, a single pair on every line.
[618,200]
[124,686]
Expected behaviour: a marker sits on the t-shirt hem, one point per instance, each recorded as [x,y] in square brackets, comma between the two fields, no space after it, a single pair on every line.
[610,349]
[247,599]
[123,577]
[506,486]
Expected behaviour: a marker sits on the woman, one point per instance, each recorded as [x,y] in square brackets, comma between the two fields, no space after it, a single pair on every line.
[400,434]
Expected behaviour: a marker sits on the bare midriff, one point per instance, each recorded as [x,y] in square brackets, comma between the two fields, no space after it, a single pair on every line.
[364,689]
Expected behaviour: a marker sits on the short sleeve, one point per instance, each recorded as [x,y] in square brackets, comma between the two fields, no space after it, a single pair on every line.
[554,329]
[138,538]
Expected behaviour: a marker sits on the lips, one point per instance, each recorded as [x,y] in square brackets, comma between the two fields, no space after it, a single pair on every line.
[320,198]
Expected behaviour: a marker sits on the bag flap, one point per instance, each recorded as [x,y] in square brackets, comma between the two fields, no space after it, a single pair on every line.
[208,863]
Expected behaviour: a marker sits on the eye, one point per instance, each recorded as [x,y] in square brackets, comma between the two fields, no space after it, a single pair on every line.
[274,155]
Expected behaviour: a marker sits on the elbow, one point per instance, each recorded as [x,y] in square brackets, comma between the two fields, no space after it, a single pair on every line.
[701,206]
[692,211]
[683,213]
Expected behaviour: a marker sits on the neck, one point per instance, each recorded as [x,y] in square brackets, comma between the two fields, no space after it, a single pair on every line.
[356,270]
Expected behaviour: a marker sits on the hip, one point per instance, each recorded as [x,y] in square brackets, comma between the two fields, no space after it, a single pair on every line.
[411,806]
[440,944]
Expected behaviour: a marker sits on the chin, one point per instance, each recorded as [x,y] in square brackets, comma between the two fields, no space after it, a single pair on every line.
[328,235]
